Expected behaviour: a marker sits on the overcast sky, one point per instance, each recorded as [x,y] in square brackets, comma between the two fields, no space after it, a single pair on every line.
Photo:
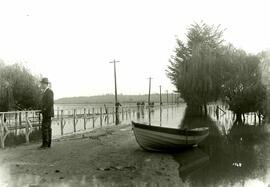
[72,42]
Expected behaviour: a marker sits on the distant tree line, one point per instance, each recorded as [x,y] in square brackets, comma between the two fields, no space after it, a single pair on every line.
[205,70]
[109,98]
[19,89]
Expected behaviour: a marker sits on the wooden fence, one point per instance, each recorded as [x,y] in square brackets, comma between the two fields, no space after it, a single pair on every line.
[12,121]
[28,120]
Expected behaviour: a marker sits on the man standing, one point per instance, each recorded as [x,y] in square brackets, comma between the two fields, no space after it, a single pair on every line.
[47,113]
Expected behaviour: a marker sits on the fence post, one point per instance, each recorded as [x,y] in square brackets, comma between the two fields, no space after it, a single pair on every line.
[84,118]
[113,113]
[123,116]
[39,118]
[62,121]
[94,115]
[57,112]
[28,127]
[16,123]
[2,131]
[254,118]
[107,111]
[101,116]
[74,120]
[20,119]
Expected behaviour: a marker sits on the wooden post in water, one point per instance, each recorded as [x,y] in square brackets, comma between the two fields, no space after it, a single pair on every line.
[123,115]
[107,115]
[254,118]
[113,114]
[93,117]
[149,116]
[20,119]
[106,118]
[259,118]
[74,120]
[160,116]
[62,122]
[167,97]
[39,118]
[149,94]
[16,123]
[26,128]
[101,116]
[84,118]
[160,97]
[129,112]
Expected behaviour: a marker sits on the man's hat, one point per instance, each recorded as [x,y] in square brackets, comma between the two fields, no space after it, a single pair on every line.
[45,80]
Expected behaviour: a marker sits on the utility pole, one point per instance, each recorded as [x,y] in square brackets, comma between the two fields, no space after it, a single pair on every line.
[160,99]
[115,82]
[115,91]
[150,78]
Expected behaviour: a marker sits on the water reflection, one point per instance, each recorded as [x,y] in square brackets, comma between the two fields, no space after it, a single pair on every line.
[160,116]
[190,161]
[17,137]
[234,158]
[167,116]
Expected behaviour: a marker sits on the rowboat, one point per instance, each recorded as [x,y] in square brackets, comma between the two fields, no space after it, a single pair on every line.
[155,138]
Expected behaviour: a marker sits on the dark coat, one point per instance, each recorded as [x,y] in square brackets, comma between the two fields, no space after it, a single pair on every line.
[47,104]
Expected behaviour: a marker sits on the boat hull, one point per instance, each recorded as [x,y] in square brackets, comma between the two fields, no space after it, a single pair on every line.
[155,138]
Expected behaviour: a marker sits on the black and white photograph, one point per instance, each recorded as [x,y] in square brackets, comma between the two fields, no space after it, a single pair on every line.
[134,93]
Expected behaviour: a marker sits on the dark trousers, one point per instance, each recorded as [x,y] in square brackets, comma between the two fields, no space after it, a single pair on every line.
[46,131]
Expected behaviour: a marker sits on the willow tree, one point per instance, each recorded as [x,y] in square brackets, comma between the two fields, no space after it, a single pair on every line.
[19,89]
[243,90]
[265,69]
[195,68]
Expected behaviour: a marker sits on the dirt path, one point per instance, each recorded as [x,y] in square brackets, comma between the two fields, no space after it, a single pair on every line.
[104,157]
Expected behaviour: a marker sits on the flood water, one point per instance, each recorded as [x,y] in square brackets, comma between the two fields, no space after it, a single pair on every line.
[232,154]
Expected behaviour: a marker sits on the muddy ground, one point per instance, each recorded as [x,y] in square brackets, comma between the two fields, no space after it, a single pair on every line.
[104,157]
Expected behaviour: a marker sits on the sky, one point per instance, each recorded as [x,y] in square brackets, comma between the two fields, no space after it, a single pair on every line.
[72,42]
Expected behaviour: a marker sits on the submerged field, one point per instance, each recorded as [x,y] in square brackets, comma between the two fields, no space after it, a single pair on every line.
[232,155]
